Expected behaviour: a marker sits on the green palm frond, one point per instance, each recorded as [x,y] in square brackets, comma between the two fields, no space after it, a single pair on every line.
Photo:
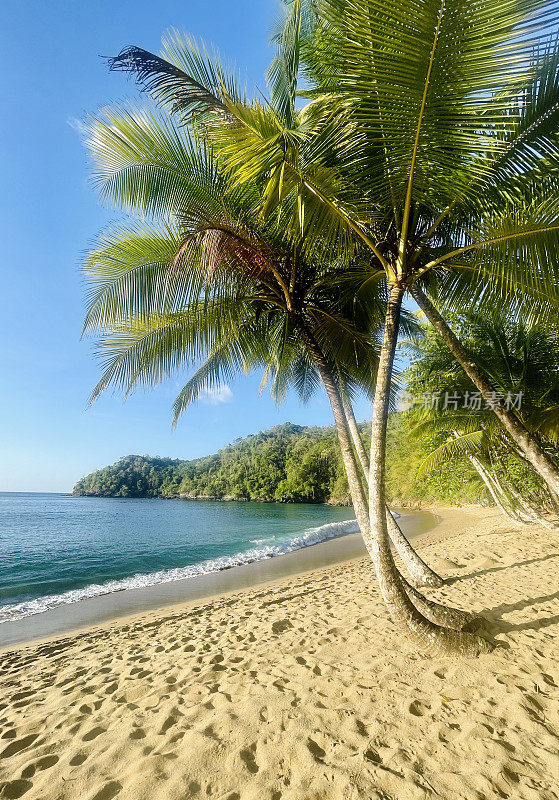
[521,362]
[527,155]
[283,72]
[223,363]
[128,273]
[147,352]
[144,163]
[510,259]
[464,445]
[431,80]
[545,422]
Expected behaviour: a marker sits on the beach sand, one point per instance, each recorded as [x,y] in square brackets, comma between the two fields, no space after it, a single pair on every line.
[302,689]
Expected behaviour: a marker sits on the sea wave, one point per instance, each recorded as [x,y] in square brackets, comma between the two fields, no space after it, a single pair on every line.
[16,611]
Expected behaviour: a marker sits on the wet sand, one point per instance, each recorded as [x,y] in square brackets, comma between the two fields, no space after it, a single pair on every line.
[95,610]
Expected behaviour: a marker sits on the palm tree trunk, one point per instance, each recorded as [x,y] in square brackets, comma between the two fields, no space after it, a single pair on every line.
[356,490]
[430,637]
[528,511]
[420,573]
[435,613]
[356,437]
[529,445]
[495,489]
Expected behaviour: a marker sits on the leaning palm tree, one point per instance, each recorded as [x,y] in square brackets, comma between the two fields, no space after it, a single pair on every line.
[342,172]
[487,457]
[218,283]
[429,142]
[523,363]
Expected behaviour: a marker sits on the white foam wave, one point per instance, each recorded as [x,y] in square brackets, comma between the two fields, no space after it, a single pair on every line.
[331,530]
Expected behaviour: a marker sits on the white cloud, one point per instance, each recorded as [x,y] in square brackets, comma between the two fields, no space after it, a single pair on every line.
[215,397]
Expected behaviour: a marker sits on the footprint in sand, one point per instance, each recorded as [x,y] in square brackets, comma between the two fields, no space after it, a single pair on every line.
[316,750]
[18,745]
[361,728]
[373,756]
[169,722]
[418,709]
[109,790]
[43,763]
[449,564]
[281,625]
[93,734]
[487,563]
[21,695]
[14,789]
[248,759]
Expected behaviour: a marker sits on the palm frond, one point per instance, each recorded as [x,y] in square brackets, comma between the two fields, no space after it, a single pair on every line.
[465,445]
[187,81]
[144,163]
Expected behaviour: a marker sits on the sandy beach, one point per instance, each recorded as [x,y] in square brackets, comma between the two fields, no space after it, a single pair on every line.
[301,688]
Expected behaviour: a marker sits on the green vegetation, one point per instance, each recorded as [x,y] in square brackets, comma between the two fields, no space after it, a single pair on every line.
[523,363]
[288,464]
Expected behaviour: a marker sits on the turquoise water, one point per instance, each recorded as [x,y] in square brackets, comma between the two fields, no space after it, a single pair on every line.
[57,549]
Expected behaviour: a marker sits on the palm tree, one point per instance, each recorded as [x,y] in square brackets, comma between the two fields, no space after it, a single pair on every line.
[522,361]
[208,283]
[348,172]
[429,142]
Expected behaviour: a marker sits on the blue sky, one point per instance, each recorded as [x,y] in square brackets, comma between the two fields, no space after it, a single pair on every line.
[52,75]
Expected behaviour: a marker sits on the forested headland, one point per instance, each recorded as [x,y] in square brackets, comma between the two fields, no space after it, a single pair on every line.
[288,463]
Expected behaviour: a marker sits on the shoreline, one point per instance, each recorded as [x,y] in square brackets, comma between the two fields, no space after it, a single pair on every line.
[105,608]
[302,687]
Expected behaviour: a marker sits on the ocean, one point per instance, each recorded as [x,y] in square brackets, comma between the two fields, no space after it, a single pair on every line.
[56,549]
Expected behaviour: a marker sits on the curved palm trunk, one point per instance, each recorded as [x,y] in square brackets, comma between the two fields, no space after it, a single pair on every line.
[434,612]
[495,490]
[356,437]
[356,490]
[430,636]
[531,448]
[420,572]
[445,616]
[529,512]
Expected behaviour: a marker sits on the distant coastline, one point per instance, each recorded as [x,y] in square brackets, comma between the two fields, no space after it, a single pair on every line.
[285,464]
[212,498]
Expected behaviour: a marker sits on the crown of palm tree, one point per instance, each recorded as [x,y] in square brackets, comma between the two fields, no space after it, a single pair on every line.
[429,139]
[200,278]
